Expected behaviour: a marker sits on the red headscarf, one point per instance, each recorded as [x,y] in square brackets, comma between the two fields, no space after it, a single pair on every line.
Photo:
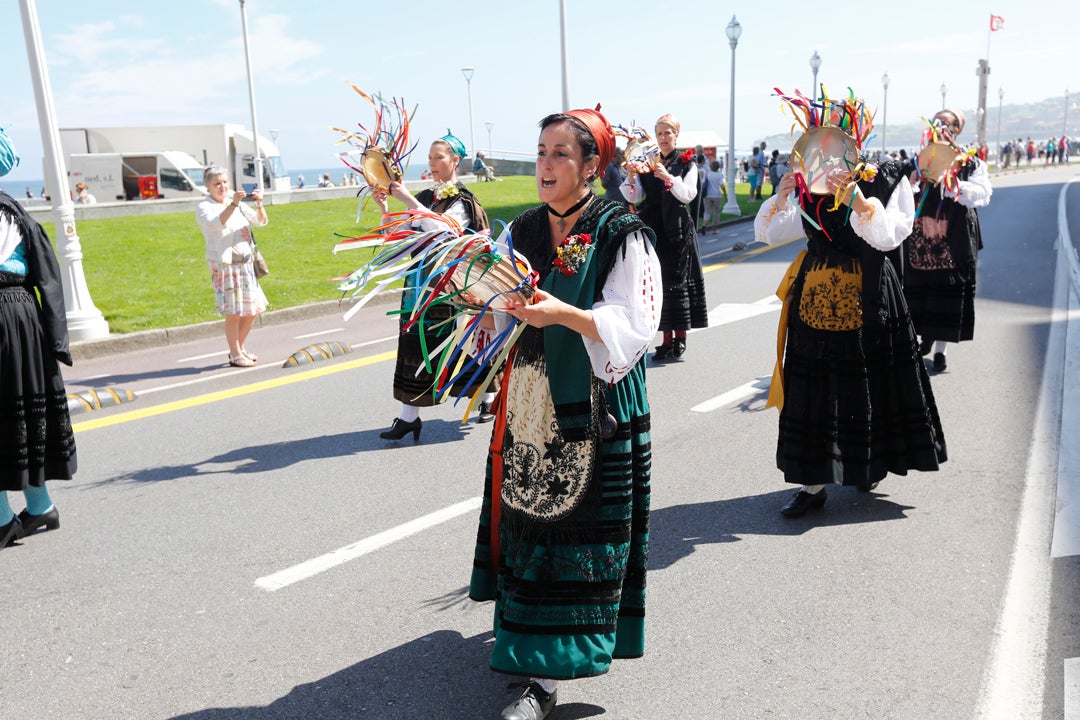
[599,127]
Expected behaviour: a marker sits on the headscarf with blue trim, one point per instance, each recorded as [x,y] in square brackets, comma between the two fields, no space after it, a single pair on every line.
[455,144]
[9,158]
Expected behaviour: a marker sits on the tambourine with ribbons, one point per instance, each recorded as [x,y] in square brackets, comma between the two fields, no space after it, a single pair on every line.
[380,153]
[835,131]
[641,152]
[447,265]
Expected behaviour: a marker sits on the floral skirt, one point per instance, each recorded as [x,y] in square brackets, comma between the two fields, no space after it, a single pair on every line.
[236,289]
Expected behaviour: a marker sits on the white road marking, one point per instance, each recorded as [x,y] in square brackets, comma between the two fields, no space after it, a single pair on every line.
[1012,688]
[727,313]
[316,334]
[1072,689]
[307,569]
[202,357]
[733,396]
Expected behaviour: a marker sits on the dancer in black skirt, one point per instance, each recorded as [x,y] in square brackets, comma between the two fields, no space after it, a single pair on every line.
[855,400]
[661,197]
[36,440]
[941,255]
[413,385]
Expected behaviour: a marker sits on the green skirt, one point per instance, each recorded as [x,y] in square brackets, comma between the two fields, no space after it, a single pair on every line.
[570,592]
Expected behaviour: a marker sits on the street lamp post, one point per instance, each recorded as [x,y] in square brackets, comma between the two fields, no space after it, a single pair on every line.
[944,89]
[885,113]
[85,322]
[251,99]
[490,126]
[733,30]
[815,65]
[468,73]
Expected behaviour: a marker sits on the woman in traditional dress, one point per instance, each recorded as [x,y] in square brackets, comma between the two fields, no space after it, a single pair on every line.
[230,250]
[940,256]
[855,400]
[661,196]
[413,384]
[36,440]
[563,533]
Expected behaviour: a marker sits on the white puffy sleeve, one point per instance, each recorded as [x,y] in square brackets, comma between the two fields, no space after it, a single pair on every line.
[456,210]
[974,192]
[631,189]
[773,225]
[685,188]
[884,228]
[628,314]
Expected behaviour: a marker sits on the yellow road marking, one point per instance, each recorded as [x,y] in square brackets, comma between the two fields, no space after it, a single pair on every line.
[751,254]
[208,398]
[231,393]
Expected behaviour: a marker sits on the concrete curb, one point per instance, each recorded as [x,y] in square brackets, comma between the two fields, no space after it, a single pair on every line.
[162,337]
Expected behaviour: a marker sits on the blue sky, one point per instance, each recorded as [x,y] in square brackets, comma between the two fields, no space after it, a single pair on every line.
[126,63]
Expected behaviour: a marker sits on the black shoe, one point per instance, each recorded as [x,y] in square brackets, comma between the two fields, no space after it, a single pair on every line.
[679,347]
[802,502]
[49,519]
[925,346]
[663,352]
[534,703]
[484,415]
[939,362]
[400,429]
[9,532]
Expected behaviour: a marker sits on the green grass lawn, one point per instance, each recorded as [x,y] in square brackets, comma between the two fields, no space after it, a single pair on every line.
[149,271]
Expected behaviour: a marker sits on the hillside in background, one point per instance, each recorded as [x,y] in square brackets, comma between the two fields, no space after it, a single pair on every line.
[1039,120]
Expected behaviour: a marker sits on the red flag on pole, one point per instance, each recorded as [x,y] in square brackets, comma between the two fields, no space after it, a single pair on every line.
[996,22]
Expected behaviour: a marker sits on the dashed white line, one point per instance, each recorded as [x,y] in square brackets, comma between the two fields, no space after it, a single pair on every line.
[733,396]
[307,569]
[316,334]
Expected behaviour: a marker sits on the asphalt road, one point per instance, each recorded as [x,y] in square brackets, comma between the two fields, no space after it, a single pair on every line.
[241,544]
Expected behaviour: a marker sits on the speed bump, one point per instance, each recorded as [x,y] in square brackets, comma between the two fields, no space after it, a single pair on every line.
[316,352]
[96,398]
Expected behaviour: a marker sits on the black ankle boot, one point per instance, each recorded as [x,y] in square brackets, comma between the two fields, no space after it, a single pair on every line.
[400,429]
[663,352]
[679,347]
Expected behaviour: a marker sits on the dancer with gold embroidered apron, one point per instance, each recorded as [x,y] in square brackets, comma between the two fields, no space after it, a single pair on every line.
[412,382]
[563,533]
[941,255]
[854,398]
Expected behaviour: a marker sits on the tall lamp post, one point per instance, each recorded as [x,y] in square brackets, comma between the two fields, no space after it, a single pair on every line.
[490,126]
[733,30]
[85,322]
[815,65]
[944,89]
[468,73]
[885,113]
[251,99]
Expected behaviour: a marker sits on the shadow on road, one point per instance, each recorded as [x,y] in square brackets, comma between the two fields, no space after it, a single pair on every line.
[675,532]
[441,676]
[279,455]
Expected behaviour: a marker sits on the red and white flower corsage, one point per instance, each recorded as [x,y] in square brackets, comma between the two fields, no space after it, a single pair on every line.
[571,254]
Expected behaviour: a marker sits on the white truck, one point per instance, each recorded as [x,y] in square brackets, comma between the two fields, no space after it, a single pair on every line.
[135,176]
[227,145]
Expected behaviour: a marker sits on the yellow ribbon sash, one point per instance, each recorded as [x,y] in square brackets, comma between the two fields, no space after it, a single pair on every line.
[783,291]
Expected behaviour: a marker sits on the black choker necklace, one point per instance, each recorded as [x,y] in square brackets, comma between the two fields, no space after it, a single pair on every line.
[562,216]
